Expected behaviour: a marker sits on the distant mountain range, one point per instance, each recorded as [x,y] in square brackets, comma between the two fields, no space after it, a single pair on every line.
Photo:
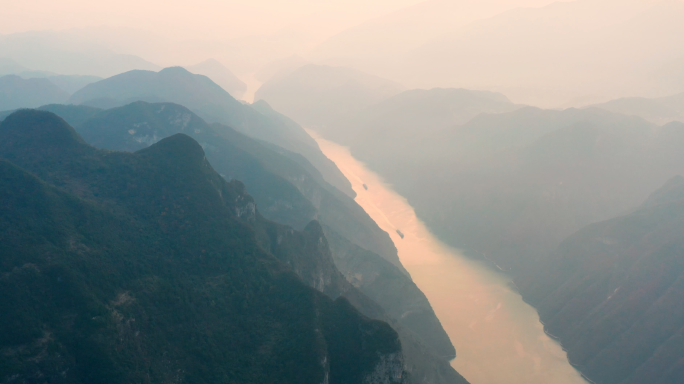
[413,115]
[547,54]
[52,52]
[214,104]
[16,92]
[221,75]
[660,110]
[511,186]
[67,83]
[379,45]
[315,95]
[613,292]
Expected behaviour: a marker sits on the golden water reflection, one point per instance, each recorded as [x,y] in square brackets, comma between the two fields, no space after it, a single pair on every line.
[498,337]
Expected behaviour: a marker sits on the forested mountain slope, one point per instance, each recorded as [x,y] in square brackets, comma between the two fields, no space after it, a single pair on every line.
[124,265]
[285,192]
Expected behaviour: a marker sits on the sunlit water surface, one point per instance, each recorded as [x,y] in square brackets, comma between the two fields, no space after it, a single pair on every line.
[498,337]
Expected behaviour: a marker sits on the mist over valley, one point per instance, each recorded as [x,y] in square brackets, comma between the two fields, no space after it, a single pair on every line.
[361,192]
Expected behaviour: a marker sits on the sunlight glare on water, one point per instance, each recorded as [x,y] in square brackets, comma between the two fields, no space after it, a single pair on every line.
[498,337]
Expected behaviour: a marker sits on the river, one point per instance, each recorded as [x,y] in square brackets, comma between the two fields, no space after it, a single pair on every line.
[498,337]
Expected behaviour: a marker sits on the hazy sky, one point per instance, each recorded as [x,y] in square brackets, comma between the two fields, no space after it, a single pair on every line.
[196,19]
[581,50]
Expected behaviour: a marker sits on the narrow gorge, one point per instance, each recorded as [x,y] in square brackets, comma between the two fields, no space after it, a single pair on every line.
[498,337]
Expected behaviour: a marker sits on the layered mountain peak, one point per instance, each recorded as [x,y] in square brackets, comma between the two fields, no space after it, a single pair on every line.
[221,75]
[38,134]
[176,71]
[213,104]
[171,84]
[177,150]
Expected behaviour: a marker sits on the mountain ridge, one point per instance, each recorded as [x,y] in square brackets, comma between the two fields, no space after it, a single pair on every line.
[213,104]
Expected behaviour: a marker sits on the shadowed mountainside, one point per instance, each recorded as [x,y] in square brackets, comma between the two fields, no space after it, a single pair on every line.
[612,293]
[287,193]
[133,263]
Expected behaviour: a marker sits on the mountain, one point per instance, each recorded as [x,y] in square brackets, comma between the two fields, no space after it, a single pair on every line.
[213,104]
[282,67]
[16,92]
[122,265]
[74,115]
[315,95]
[411,115]
[68,83]
[64,53]
[10,67]
[221,75]
[533,51]
[510,187]
[397,294]
[612,293]
[285,192]
[660,110]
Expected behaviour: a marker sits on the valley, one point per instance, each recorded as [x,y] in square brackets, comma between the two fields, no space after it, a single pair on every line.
[497,336]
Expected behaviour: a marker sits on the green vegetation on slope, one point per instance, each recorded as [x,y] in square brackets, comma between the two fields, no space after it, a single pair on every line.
[286,193]
[146,267]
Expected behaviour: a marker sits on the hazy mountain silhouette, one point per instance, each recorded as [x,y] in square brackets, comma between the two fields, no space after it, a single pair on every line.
[413,115]
[68,83]
[659,110]
[213,104]
[128,259]
[16,92]
[221,76]
[613,291]
[56,52]
[316,95]
[10,67]
[280,68]
[546,53]
[511,186]
[632,40]
[380,45]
